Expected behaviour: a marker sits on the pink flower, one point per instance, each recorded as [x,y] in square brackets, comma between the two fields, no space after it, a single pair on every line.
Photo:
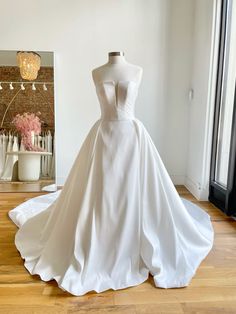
[25,124]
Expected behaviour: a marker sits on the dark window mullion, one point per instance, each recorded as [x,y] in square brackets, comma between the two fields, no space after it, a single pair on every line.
[218,88]
[224,197]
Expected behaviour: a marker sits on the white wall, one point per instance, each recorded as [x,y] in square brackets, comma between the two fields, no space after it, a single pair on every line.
[155,34]
[178,67]
[201,109]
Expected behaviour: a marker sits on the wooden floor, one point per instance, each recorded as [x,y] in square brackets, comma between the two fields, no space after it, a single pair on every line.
[18,186]
[212,289]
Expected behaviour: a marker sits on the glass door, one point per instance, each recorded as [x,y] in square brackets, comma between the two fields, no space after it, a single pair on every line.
[223,161]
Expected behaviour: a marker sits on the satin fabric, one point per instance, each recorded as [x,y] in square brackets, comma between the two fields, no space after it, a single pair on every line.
[118,217]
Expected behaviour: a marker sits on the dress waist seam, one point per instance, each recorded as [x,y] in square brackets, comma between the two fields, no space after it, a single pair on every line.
[117,119]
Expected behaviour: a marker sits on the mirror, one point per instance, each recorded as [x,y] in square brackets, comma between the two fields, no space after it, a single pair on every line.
[27,146]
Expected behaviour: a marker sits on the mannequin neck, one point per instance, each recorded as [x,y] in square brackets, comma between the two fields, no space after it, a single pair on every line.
[116,59]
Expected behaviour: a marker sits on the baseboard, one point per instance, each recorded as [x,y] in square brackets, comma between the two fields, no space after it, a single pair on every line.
[200,193]
[204,194]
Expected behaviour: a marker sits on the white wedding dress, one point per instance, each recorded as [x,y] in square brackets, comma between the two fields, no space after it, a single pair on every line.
[118,217]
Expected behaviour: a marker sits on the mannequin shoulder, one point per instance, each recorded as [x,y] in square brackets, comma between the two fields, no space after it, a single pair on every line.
[97,72]
[137,73]
[137,67]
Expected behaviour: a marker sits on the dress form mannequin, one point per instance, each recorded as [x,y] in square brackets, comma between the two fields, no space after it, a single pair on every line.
[117,69]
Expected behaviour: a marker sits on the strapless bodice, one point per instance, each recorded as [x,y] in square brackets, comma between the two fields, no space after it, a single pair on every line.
[117,100]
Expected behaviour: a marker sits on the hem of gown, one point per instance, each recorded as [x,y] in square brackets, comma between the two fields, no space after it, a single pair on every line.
[29,265]
[163,284]
[81,293]
[184,281]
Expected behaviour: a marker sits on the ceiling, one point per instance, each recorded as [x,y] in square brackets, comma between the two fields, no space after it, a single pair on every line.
[8,58]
